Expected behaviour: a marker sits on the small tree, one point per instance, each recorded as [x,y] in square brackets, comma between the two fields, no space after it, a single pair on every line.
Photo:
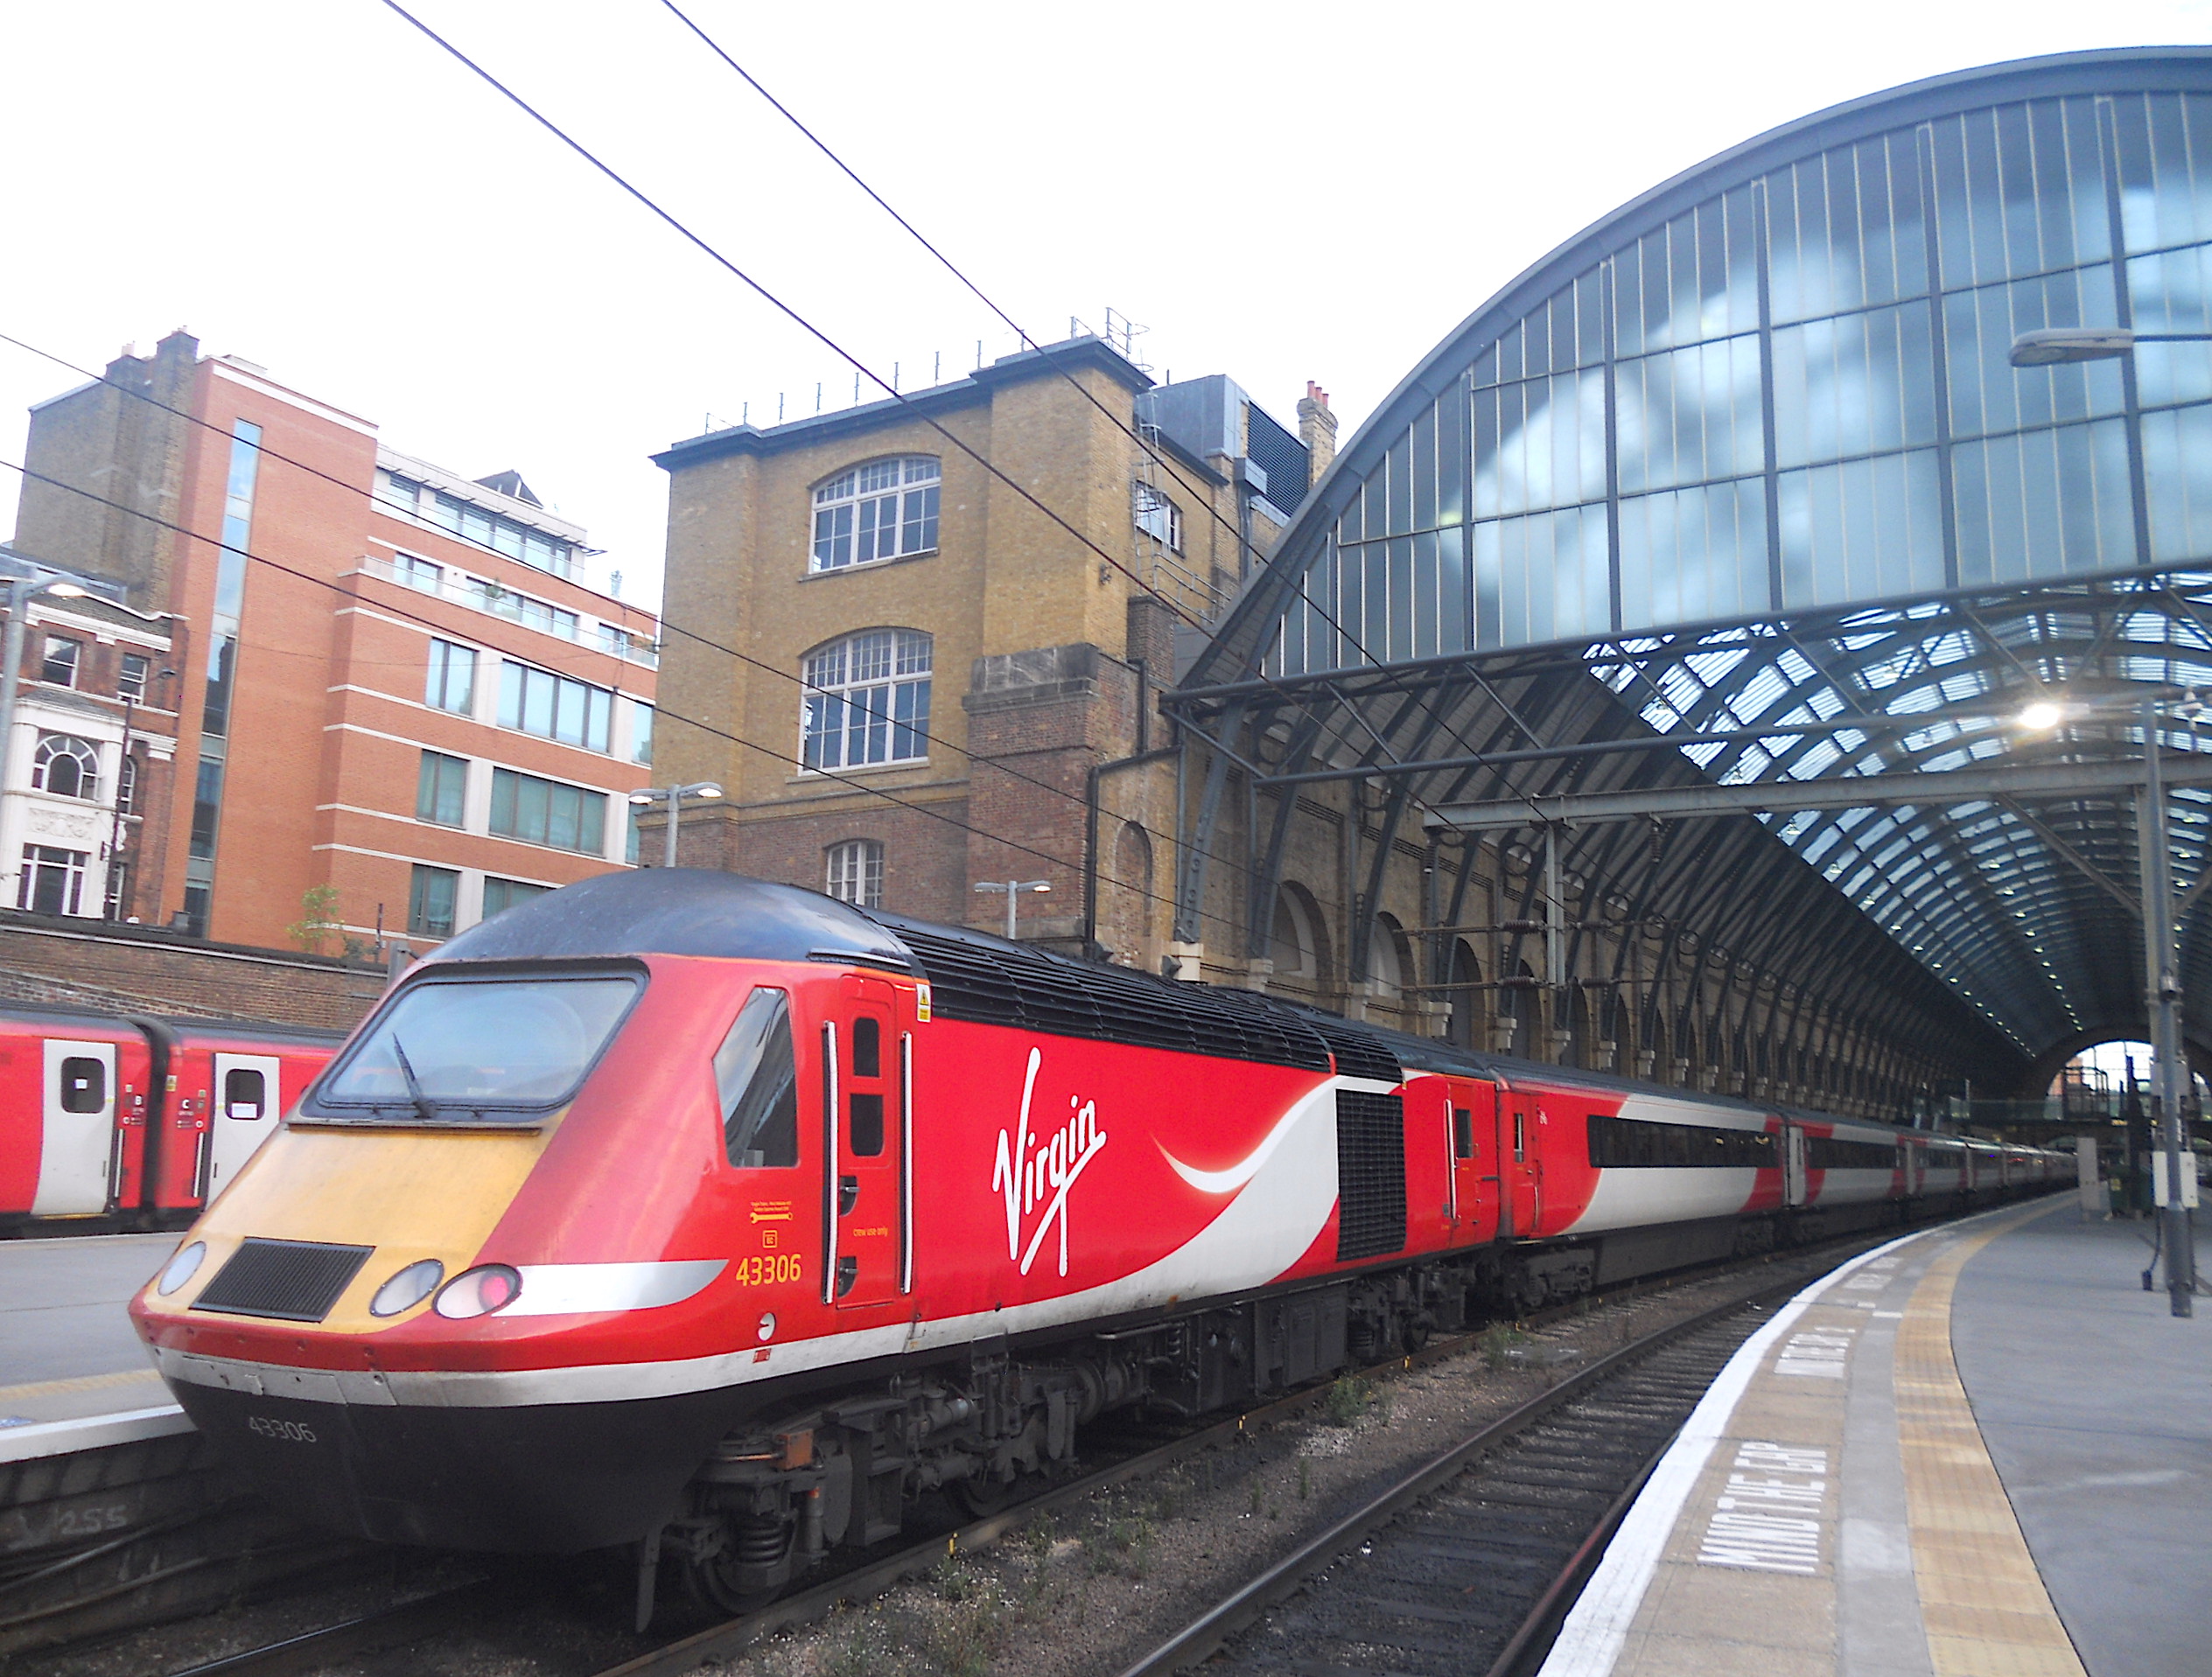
[318,919]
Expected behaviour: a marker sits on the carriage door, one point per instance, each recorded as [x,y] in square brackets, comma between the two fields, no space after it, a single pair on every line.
[1470,1124]
[247,1098]
[1513,1156]
[868,1146]
[1793,1164]
[76,1136]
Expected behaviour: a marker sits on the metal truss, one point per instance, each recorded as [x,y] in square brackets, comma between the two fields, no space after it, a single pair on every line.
[1841,802]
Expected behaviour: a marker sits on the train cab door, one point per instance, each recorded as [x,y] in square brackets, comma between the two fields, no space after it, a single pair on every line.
[1469,1142]
[247,1098]
[1793,1164]
[78,1128]
[866,1144]
[1513,1151]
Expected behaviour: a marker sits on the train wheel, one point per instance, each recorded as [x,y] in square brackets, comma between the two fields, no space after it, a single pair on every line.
[725,1580]
[983,1498]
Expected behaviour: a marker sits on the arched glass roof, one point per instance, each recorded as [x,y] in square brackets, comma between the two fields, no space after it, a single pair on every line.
[1748,456]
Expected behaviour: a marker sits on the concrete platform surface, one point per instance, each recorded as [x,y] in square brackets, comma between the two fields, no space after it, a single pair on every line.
[1981,1450]
[66,1348]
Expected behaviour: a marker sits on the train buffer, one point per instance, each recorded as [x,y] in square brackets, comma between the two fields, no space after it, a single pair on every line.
[1980,1449]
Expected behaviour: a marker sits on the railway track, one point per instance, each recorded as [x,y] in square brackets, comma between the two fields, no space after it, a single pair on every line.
[1526,1503]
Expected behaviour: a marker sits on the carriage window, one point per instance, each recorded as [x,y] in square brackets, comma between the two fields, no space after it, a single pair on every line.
[245,1093]
[866,1132]
[84,1085]
[1520,1139]
[1462,1133]
[867,1048]
[756,1074]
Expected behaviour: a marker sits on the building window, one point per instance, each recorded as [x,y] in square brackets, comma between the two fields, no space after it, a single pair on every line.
[502,601]
[641,732]
[116,907]
[868,700]
[126,785]
[452,678]
[130,677]
[499,895]
[62,656]
[396,491]
[554,707]
[441,788]
[548,811]
[506,535]
[417,573]
[878,511]
[430,896]
[1159,517]
[53,881]
[855,873]
[67,766]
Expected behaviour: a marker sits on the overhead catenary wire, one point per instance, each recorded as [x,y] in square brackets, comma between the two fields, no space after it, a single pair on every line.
[776,754]
[790,313]
[667,627]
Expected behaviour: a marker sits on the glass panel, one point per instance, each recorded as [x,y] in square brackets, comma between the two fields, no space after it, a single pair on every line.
[1694,554]
[1542,578]
[2172,291]
[1539,443]
[1689,415]
[2048,504]
[1863,384]
[2019,190]
[1988,393]
[2166,168]
[1862,531]
[756,1079]
[2177,466]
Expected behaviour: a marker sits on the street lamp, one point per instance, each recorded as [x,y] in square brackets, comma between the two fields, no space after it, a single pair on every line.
[1014,888]
[2056,345]
[54,585]
[675,795]
[2162,971]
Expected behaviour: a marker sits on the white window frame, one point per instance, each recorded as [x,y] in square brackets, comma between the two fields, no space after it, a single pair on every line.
[76,659]
[875,512]
[879,716]
[853,872]
[1158,517]
[82,751]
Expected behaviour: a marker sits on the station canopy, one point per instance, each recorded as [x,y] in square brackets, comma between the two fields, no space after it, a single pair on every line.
[1727,536]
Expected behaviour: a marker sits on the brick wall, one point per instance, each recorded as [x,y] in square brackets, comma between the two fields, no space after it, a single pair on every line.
[125,968]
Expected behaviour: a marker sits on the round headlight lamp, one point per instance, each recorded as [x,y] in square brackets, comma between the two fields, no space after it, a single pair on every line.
[479,1291]
[408,1288]
[182,1267]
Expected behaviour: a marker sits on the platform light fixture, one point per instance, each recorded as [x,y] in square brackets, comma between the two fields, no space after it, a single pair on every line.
[644,797]
[2062,346]
[1014,888]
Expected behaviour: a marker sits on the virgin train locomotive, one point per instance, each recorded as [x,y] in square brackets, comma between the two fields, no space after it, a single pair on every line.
[716,1216]
[110,1120]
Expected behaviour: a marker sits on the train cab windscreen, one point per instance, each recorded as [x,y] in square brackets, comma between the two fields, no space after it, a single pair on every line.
[475,1051]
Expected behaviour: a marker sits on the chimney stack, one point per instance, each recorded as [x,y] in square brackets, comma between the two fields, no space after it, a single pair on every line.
[1317,429]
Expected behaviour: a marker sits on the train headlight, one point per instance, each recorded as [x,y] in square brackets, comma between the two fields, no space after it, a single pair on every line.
[479,1291]
[408,1289]
[182,1267]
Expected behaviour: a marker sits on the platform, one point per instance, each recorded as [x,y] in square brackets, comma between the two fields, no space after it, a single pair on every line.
[1982,1450]
[73,1374]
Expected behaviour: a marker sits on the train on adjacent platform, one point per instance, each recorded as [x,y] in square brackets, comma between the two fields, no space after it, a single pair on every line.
[113,1121]
[715,1216]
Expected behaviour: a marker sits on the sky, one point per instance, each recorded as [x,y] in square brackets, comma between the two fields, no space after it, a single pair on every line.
[1279,193]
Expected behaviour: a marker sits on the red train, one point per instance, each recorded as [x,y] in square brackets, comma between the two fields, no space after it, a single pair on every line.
[113,1121]
[684,1209]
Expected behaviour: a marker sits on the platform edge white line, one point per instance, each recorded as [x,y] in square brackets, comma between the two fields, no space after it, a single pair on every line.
[90,1432]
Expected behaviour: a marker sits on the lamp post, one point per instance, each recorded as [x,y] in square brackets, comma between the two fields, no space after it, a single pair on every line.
[675,795]
[56,584]
[1014,888]
[2162,992]
[2060,346]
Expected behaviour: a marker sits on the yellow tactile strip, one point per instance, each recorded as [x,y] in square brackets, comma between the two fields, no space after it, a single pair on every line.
[1982,1599]
[79,1383]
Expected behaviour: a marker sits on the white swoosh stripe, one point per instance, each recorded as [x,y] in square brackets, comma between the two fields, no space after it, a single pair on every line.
[581,1288]
[1222,1182]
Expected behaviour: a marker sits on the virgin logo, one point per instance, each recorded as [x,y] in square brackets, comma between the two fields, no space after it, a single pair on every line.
[1034,1173]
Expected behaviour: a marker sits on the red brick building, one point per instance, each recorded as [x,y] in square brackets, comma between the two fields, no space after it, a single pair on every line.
[397,706]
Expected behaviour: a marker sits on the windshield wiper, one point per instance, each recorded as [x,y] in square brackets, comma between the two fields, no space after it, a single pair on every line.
[423,1107]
